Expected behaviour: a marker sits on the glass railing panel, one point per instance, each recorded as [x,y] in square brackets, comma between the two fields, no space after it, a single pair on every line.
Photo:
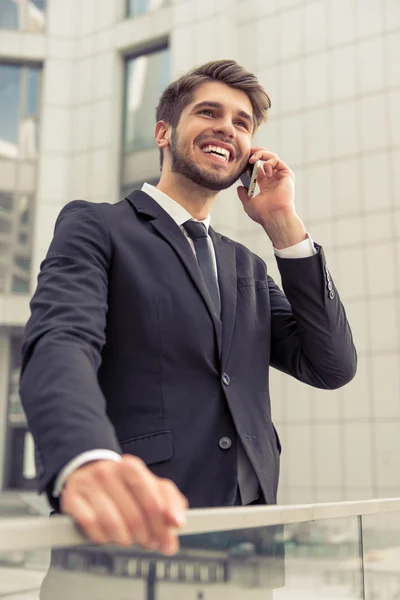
[381,552]
[315,560]
[14,505]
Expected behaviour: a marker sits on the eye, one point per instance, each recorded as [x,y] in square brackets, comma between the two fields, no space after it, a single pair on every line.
[242,124]
[206,110]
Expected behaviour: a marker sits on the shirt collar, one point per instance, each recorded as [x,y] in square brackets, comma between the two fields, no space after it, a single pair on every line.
[179,214]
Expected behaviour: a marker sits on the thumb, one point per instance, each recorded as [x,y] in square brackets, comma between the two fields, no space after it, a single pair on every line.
[242,193]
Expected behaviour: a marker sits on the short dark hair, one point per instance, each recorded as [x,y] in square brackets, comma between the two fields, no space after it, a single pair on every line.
[180,92]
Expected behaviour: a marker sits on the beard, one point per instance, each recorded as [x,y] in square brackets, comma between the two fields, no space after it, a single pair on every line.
[182,164]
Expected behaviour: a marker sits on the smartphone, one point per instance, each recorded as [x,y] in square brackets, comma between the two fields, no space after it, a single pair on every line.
[249,177]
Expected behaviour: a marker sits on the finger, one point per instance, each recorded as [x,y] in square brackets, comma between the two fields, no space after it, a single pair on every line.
[144,487]
[260,154]
[133,517]
[261,174]
[268,169]
[177,503]
[243,195]
[276,164]
[109,518]
[170,542]
[85,517]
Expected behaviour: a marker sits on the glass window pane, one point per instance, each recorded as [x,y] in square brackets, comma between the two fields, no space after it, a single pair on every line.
[135,8]
[8,14]
[19,285]
[25,15]
[24,210]
[32,92]
[15,248]
[146,78]
[5,225]
[10,91]
[33,16]
[6,202]
[23,263]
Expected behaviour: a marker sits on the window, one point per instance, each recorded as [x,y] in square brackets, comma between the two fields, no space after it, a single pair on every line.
[19,112]
[15,242]
[19,457]
[19,108]
[135,8]
[25,15]
[146,77]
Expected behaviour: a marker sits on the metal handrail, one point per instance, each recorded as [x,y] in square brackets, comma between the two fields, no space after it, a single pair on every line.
[60,531]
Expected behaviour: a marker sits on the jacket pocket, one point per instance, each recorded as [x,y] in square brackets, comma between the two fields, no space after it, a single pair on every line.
[152,448]
[258,284]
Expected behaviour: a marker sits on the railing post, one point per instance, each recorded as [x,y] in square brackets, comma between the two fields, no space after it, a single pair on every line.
[361,550]
[152,580]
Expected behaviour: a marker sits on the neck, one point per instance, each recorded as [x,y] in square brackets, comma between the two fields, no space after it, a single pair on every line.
[196,199]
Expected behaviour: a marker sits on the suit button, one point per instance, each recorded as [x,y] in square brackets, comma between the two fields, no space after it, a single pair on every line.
[331,295]
[226,379]
[330,286]
[225,443]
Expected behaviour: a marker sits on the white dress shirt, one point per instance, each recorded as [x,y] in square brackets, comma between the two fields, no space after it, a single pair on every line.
[180,215]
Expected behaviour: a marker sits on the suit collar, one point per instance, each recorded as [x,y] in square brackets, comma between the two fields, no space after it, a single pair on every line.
[226,263]
[144,204]
[173,235]
[177,212]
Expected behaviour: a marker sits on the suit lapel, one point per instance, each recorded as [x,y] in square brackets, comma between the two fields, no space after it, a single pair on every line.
[227,280]
[171,232]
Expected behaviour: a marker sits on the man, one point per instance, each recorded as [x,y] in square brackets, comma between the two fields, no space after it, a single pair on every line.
[145,361]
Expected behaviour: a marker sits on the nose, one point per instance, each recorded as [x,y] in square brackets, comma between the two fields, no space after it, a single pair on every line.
[225,127]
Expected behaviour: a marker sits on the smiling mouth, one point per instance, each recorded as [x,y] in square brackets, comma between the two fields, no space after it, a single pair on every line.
[222,154]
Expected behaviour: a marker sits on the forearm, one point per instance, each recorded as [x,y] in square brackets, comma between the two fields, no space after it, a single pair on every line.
[285,230]
[311,338]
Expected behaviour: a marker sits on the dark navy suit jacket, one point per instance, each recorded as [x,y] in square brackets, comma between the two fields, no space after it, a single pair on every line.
[123,350]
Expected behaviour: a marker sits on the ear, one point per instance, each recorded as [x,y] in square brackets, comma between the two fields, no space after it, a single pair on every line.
[162,134]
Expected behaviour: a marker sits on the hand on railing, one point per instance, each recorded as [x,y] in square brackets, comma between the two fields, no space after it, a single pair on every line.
[124,503]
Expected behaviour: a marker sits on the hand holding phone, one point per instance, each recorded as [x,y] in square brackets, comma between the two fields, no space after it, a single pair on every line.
[249,177]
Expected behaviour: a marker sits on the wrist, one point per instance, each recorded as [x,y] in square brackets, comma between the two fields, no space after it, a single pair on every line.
[285,231]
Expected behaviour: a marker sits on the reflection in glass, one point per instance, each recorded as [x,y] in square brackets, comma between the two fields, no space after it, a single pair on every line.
[25,15]
[8,14]
[19,86]
[32,91]
[10,92]
[2,278]
[5,226]
[322,562]
[15,230]
[381,545]
[146,78]
[16,414]
[20,285]
[6,202]
[135,8]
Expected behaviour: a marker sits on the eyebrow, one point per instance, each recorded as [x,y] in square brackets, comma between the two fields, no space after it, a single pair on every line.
[212,104]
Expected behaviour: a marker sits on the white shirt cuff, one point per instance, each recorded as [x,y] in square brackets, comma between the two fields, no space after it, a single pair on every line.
[303,249]
[80,460]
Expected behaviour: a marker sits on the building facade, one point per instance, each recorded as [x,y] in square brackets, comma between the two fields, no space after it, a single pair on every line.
[79,83]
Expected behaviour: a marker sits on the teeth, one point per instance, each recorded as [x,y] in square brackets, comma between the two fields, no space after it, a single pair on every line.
[221,151]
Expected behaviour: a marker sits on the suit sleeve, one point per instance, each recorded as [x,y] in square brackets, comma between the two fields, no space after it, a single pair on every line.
[310,335]
[62,344]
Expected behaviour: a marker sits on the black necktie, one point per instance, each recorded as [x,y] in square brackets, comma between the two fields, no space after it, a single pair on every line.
[198,233]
